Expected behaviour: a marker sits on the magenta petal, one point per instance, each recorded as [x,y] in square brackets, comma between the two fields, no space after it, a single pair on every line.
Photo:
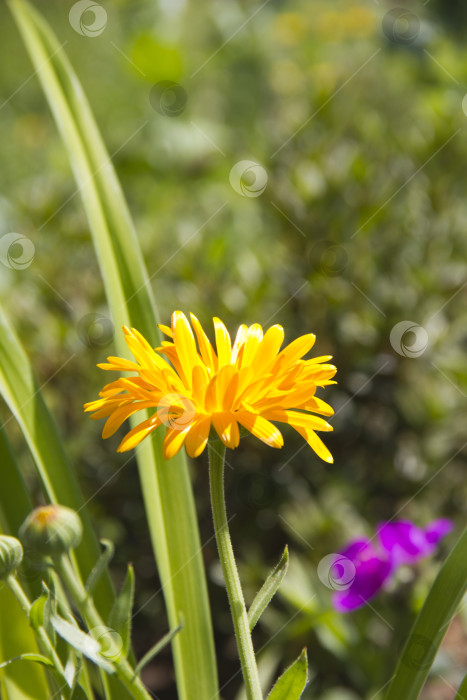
[438,529]
[372,569]
[405,542]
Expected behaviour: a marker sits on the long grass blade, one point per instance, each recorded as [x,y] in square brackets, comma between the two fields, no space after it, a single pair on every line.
[431,625]
[167,489]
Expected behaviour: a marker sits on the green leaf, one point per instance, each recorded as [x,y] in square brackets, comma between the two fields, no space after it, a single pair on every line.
[37,658]
[462,692]
[291,684]
[101,565]
[121,613]
[16,635]
[81,642]
[268,589]
[78,694]
[167,489]
[431,625]
[37,612]
[15,502]
[157,648]
[19,388]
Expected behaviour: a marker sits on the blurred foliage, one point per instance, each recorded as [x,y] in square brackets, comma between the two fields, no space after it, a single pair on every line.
[357,114]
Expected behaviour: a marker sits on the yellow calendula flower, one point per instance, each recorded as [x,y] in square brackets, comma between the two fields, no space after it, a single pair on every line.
[194,388]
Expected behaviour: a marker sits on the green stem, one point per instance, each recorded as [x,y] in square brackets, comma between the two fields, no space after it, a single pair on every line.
[89,612]
[43,637]
[232,581]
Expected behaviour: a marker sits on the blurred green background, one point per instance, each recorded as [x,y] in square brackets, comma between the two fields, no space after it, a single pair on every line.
[350,219]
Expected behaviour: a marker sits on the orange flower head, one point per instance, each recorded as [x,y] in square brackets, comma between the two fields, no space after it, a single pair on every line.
[193,388]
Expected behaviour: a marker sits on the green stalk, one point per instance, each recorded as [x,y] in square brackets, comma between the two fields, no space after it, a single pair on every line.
[88,610]
[43,638]
[166,488]
[431,625]
[229,568]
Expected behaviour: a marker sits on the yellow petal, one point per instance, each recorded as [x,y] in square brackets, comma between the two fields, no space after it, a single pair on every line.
[184,342]
[138,433]
[268,349]
[216,392]
[261,428]
[197,436]
[120,364]
[166,330]
[319,406]
[296,349]
[315,443]
[227,428]
[205,347]
[254,336]
[223,343]
[173,442]
[120,415]
[297,419]
[239,341]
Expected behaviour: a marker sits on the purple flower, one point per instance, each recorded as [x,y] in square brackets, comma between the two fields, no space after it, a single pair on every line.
[361,570]
[407,543]
[371,568]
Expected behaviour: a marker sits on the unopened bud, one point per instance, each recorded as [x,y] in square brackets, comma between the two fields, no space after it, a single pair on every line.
[50,530]
[11,555]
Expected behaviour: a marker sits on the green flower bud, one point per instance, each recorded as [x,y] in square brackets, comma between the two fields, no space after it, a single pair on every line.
[50,530]
[11,555]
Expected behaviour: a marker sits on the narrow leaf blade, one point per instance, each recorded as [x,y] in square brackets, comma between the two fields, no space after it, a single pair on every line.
[121,613]
[100,566]
[292,683]
[167,492]
[268,589]
[157,648]
[37,658]
[431,625]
